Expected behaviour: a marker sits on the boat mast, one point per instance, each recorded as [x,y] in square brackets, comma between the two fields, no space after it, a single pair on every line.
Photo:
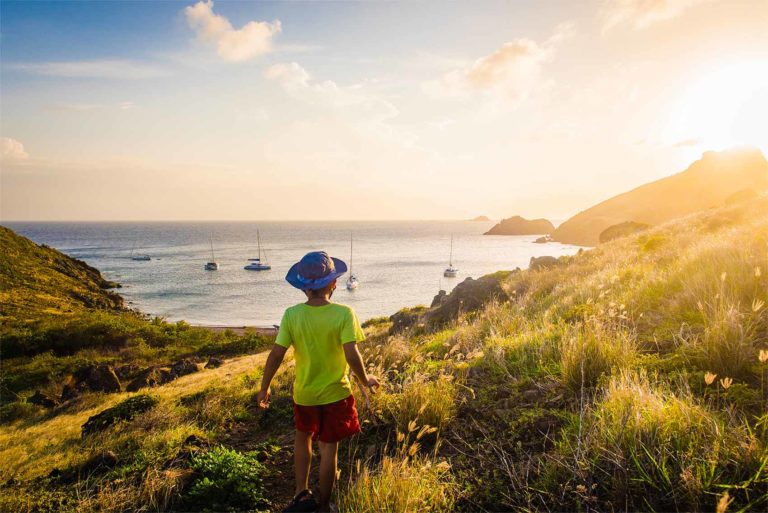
[450,257]
[258,241]
[350,254]
[213,257]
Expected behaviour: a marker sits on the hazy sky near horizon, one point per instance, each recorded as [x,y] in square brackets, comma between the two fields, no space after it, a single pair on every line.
[366,110]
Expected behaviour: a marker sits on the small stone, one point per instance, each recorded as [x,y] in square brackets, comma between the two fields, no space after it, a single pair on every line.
[214,362]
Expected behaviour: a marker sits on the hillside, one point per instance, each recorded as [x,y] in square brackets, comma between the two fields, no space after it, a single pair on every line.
[38,281]
[628,377]
[517,225]
[707,183]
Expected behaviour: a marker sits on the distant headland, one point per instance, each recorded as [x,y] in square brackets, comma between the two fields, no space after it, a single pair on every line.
[517,225]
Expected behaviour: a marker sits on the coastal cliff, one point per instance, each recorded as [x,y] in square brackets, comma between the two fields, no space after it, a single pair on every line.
[706,183]
[38,281]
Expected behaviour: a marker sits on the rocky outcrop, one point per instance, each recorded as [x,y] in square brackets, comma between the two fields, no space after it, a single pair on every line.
[439,299]
[622,230]
[520,226]
[406,318]
[708,182]
[542,262]
[150,377]
[183,367]
[544,239]
[467,296]
[92,378]
[125,410]
[214,362]
[158,375]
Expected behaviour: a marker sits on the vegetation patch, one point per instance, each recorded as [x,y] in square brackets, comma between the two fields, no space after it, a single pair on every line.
[125,410]
[226,480]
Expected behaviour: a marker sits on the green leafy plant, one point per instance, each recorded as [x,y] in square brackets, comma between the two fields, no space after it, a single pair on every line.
[227,480]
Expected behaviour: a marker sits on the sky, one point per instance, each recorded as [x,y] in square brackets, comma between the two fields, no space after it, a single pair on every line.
[218,110]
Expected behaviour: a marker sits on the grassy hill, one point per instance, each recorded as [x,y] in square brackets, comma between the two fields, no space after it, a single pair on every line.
[627,377]
[707,183]
[38,281]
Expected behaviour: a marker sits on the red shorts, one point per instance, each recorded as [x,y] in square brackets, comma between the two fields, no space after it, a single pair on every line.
[328,422]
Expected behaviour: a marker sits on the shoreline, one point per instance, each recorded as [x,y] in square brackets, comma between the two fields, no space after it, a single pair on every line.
[239,330]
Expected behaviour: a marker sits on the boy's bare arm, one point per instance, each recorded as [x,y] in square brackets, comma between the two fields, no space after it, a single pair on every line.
[355,361]
[274,360]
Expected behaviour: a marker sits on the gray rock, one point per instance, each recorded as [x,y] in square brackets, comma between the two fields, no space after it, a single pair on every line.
[150,377]
[543,262]
[214,362]
[183,367]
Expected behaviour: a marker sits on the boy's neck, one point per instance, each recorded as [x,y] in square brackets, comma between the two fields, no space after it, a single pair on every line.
[318,301]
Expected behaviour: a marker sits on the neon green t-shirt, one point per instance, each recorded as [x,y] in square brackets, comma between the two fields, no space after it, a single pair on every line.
[317,334]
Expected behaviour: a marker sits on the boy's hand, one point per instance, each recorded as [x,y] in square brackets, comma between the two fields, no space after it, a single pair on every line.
[262,399]
[373,383]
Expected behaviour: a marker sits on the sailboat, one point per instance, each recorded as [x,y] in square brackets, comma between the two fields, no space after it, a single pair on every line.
[213,265]
[352,281]
[139,257]
[451,271]
[255,263]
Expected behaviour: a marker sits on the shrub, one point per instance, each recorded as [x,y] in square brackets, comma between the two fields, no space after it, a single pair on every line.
[226,480]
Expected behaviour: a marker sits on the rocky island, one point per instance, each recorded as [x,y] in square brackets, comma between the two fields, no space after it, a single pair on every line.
[520,226]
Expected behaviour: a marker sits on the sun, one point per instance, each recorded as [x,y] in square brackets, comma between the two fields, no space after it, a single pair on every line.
[725,107]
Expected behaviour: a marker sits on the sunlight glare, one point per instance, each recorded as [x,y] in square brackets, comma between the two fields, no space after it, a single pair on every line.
[726,107]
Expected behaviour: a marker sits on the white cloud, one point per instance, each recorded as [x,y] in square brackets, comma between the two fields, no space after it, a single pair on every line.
[513,72]
[353,100]
[109,69]
[642,13]
[84,107]
[233,45]
[11,149]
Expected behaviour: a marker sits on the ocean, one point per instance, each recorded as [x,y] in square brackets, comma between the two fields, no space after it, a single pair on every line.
[399,263]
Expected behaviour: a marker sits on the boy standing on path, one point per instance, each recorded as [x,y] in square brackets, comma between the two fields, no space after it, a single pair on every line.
[324,337]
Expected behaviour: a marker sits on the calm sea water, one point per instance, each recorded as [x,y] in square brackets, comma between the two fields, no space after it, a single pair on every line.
[399,263]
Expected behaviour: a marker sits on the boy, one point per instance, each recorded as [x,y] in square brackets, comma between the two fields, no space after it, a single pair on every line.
[324,337]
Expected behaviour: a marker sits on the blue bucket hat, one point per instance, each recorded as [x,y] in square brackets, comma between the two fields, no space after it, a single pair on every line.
[315,270]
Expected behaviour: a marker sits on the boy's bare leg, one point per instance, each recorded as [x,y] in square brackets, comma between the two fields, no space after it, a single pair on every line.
[302,459]
[328,462]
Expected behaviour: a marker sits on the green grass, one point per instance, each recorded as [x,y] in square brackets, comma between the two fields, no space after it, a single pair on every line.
[585,391]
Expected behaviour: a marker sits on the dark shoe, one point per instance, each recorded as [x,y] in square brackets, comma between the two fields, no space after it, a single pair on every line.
[304,501]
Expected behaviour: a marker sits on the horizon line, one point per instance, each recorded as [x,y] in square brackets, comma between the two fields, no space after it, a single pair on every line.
[238,220]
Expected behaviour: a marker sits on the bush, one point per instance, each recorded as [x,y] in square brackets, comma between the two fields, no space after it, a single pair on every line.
[226,480]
